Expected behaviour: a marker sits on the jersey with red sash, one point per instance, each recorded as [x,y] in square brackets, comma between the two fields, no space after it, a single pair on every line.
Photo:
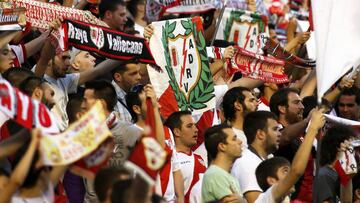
[191,165]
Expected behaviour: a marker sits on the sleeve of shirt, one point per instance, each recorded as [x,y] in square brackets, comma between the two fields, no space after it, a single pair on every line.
[266,197]
[175,162]
[219,186]
[20,52]
[323,188]
[220,91]
[71,82]
[245,175]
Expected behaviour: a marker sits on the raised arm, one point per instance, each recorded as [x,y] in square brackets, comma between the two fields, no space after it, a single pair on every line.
[101,68]
[21,170]
[301,158]
[6,37]
[12,144]
[36,44]
[159,127]
[333,95]
[293,131]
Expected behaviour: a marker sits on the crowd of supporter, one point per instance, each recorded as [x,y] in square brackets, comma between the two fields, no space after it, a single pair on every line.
[271,142]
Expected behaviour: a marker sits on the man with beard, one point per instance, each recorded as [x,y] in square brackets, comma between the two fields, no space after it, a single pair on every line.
[263,134]
[287,105]
[124,78]
[348,104]
[38,89]
[237,102]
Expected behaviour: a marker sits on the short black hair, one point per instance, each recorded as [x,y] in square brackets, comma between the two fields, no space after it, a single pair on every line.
[269,168]
[280,98]
[16,75]
[103,90]
[132,99]
[122,191]
[213,137]
[254,121]
[174,120]
[4,172]
[30,84]
[109,5]
[123,68]
[105,179]
[132,6]
[229,99]
[331,141]
[352,91]
[73,107]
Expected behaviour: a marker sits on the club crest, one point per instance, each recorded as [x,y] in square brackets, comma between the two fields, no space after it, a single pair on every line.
[97,37]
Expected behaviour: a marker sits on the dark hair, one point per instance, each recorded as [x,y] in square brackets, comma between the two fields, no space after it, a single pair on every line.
[105,179]
[33,174]
[229,99]
[4,172]
[213,137]
[257,120]
[269,168]
[109,5]
[30,84]
[103,90]
[331,141]
[16,75]
[132,99]
[351,92]
[356,184]
[123,68]
[122,191]
[280,98]
[309,103]
[174,120]
[73,107]
[132,6]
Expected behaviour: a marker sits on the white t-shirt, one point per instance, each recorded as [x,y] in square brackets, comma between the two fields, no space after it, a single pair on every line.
[191,167]
[47,196]
[244,171]
[195,193]
[164,185]
[267,197]
[263,107]
[241,135]
[62,87]
[139,28]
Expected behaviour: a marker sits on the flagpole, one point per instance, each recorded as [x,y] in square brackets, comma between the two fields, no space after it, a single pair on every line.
[218,23]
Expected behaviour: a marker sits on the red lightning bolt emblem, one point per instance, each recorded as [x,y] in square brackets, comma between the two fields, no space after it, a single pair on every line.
[184,62]
[247,36]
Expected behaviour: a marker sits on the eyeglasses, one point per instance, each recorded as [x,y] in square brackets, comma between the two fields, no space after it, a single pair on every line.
[137,88]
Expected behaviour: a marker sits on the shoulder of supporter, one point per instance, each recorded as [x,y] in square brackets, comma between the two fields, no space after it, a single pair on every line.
[266,197]
[244,171]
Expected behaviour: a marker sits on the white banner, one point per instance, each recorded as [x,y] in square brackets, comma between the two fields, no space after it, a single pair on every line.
[184,81]
[79,140]
[337,39]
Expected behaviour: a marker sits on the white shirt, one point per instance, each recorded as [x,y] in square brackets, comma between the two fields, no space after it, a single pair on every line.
[241,135]
[188,168]
[244,171]
[62,87]
[164,185]
[139,28]
[267,197]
